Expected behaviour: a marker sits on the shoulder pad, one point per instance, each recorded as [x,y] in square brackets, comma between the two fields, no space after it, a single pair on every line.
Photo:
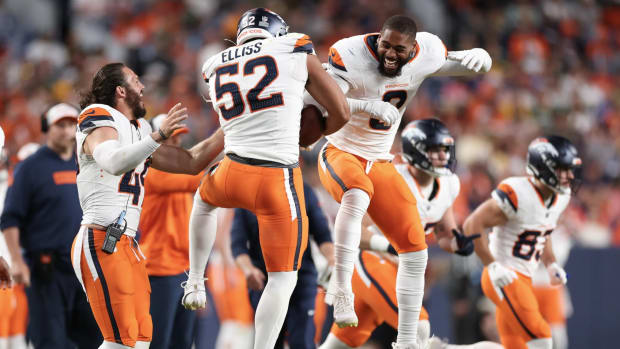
[94,116]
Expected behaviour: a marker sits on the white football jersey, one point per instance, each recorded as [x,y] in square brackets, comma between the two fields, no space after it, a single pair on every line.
[257,90]
[519,243]
[435,200]
[355,61]
[102,195]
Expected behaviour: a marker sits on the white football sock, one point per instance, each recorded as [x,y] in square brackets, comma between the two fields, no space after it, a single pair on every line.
[409,293]
[347,235]
[541,343]
[560,337]
[332,342]
[142,345]
[424,333]
[17,342]
[202,231]
[272,308]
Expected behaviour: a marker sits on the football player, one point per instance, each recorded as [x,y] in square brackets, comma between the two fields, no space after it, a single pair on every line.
[257,90]
[355,165]
[429,152]
[115,147]
[523,211]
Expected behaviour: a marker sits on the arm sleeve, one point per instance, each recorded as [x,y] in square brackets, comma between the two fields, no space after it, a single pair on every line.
[317,222]
[117,159]
[17,200]
[238,233]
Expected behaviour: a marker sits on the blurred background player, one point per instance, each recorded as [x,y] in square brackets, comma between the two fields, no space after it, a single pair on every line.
[39,220]
[257,88]
[355,164]
[165,244]
[115,148]
[428,151]
[299,327]
[523,212]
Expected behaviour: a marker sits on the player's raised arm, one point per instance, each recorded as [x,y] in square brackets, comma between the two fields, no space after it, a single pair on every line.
[325,91]
[468,62]
[179,160]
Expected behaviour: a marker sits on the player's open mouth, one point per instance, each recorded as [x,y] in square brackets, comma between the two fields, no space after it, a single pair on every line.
[390,64]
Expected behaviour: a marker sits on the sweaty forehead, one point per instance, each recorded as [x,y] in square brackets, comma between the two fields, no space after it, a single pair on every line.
[396,38]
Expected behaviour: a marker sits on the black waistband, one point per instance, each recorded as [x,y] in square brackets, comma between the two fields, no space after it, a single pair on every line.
[259,162]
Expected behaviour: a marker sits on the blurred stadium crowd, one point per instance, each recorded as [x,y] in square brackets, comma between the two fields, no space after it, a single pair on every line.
[555,69]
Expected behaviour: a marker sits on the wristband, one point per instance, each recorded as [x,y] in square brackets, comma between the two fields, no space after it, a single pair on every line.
[163,136]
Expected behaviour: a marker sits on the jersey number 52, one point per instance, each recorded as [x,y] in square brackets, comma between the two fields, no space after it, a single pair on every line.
[256,104]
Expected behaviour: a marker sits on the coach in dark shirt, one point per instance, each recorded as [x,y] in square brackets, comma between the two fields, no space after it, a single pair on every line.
[40,219]
[246,249]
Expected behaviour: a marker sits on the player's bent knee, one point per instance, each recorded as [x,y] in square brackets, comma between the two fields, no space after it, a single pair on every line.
[202,206]
[541,343]
[145,329]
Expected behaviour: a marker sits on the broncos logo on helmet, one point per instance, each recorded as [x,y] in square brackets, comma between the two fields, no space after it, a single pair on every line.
[260,23]
[547,155]
[419,137]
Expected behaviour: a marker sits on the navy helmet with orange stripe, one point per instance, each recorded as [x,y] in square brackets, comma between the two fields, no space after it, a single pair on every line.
[421,136]
[260,23]
[547,156]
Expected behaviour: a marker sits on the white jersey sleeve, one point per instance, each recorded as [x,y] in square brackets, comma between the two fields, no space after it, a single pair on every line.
[257,90]
[519,243]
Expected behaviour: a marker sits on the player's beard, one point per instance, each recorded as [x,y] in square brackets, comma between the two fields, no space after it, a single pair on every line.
[390,74]
[134,102]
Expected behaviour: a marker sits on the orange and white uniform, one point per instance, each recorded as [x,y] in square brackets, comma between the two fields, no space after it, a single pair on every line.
[518,245]
[116,284]
[358,155]
[257,90]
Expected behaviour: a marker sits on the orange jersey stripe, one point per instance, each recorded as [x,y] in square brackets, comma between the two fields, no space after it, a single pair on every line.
[510,194]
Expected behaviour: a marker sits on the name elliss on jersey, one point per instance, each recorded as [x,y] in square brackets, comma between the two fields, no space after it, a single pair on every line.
[239,52]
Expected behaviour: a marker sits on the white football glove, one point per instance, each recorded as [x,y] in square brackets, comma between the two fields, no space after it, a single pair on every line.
[195,296]
[476,59]
[382,111]
[500,276]
[557,274]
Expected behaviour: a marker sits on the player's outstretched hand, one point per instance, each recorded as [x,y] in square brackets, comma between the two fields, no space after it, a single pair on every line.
[557,274]
[383,111]
[172,121]
[476,59]
[465,244]
[500,276]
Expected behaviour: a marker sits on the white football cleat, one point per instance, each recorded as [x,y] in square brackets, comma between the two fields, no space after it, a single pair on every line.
[436,343]
[195,295]
[344,309]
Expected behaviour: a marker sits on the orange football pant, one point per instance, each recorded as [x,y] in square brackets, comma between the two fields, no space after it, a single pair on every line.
[517,314]
[392,207]
[275,196]
[117,287]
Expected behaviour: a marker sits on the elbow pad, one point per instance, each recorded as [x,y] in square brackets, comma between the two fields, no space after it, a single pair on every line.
[116,159]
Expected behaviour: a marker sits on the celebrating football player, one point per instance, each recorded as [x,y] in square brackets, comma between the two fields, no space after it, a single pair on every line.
[355,165]
[257,89]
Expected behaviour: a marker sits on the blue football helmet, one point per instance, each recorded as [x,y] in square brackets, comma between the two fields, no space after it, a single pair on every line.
[545,155]
[421,135]
[260,23]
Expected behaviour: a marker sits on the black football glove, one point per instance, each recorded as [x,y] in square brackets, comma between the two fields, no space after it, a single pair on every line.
[464,243]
